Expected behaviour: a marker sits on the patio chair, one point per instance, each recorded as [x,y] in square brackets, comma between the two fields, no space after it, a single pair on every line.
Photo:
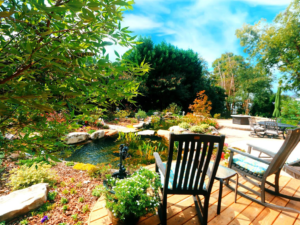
[256,170]
[186,175]
[272,129]
[255,128]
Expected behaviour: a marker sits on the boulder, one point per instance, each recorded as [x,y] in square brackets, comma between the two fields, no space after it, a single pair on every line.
[22,201]
[116,127]
[111,132]
[155,113]
[97,134]
[146,132]
[176,129]
[76,137]
[213,130]
[140,125]
[128,130]
[163,133]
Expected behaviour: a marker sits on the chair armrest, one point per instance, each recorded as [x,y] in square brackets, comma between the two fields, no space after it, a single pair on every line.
[249,156]
[159,163]
[260,149]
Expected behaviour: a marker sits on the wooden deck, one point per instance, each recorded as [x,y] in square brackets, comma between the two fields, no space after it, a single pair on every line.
[181,209]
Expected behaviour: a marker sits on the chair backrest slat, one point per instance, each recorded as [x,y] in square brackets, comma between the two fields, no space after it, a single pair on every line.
[291,141]
[206,162]
[183,164]
[201,162]
[188,165]
[179,154]
[195,163]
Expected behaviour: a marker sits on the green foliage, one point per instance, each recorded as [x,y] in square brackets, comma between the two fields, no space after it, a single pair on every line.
[62,224]
[69,163]
[130,138]
[217,116]
[197,129]
[53,59]
[184,125]
[75,217]
[79,185]
[81,199]
[276,45]
[290,109]
[133,194]
[24,176]
[85,209]
[79,223]
[91,131]
[73,191]
[147,148]
[62,184]
[24,222]
[65,208]
[30,162]
[63,201]
[122,114]
[263,104]
[52,195]
[65,192]
[173,108]
[98,191]
[141,114]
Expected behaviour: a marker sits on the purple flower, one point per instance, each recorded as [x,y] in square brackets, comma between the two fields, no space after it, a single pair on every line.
[44,219]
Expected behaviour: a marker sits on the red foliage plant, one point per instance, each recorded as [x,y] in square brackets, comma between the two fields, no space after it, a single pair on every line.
[201,104]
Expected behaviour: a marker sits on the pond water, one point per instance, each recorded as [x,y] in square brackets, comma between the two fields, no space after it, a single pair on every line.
[106,150]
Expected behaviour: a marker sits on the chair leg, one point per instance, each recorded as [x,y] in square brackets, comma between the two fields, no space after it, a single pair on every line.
[262,196]
[220,197]
[277,175]
[162,211]
[236,187]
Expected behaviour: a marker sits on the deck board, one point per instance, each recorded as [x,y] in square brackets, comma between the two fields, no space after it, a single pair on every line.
[181,208]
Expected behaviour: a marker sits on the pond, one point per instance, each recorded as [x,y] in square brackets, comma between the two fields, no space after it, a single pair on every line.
[106,150]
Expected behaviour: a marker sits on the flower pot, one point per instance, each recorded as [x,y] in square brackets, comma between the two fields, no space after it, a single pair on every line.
[129,220]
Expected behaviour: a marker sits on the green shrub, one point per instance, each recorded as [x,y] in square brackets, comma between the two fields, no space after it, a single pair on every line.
[204,126]
[217,116]
[91,131]
[25,176]
[64,208]
[75,217]
[81,199]
[65,192]
[69,163]
[63,201]
[173,108]
[197,129]
[85,208]
[150,112]
[51,195]
[24,222]
[122,114]
[98,190]
[73,191]
[79,185]
[184,125]
[141,114]
[30,162]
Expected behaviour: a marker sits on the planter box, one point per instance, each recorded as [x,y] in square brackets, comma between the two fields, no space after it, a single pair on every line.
[240,119]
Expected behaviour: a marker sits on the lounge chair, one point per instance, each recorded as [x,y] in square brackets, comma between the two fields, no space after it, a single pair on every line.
[255,128]
[256,170]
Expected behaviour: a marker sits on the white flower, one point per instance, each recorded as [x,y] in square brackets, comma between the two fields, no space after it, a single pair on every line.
[115,214]
[113,210]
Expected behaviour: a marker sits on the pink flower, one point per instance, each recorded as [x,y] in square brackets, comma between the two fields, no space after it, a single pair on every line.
[225,144]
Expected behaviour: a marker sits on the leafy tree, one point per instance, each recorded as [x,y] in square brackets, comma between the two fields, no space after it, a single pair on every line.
[53,58]
[263,104]
[176,75]
[290,109]
[239,78]
[276,45]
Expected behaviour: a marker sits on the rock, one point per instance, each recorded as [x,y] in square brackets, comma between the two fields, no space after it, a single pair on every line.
[128,130]
[111,132]
[97,134]
[163,133]
[140,125]
[146,132]
[176,129]
[9,136]
[155,113]
[76,137]
[20,202]
[116,127]
[213,130]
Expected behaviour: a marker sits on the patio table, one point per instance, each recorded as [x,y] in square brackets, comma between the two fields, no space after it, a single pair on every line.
[282,126]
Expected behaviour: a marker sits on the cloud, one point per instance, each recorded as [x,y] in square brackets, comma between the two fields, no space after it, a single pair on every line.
[268,2]
[139,22]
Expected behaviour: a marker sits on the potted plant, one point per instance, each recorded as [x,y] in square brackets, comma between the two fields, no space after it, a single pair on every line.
[129,199]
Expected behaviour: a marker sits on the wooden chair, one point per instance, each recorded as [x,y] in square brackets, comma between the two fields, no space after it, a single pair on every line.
[256,170]
[186,175]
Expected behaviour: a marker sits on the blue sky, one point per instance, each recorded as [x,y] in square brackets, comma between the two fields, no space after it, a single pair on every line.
[205,26]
